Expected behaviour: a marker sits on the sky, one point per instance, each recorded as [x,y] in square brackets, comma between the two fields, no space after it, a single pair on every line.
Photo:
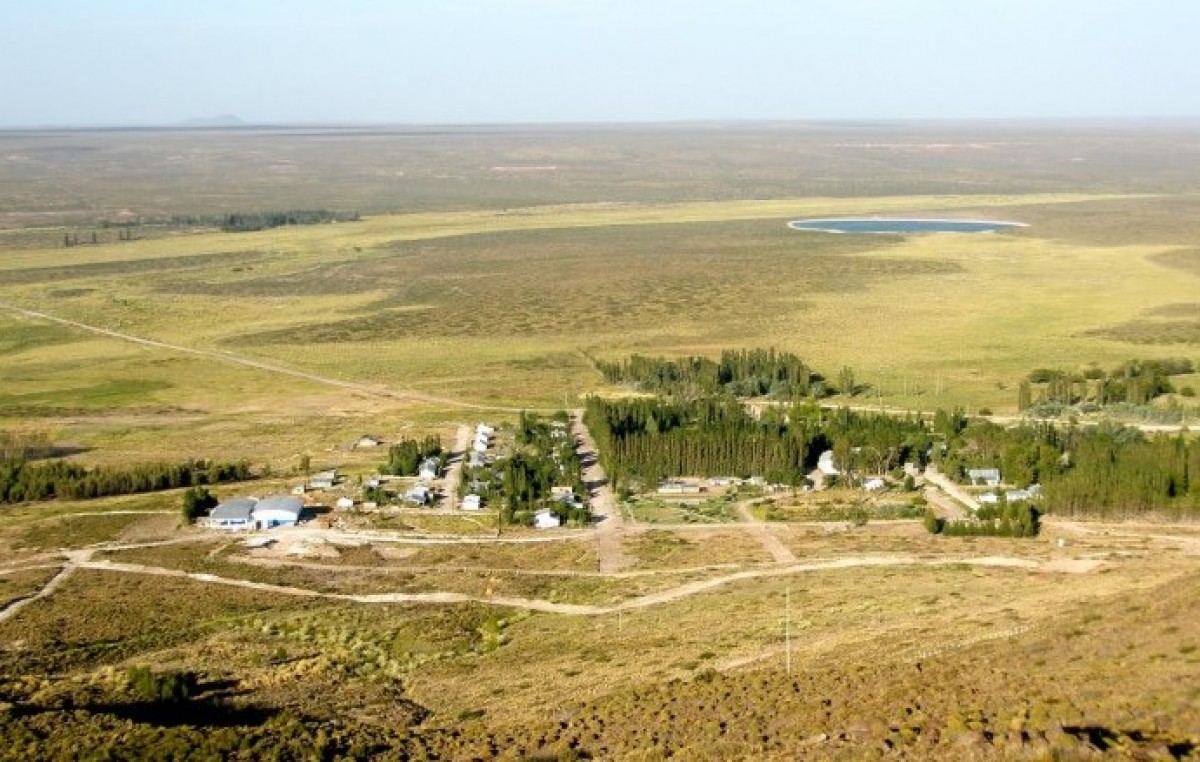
[96,62]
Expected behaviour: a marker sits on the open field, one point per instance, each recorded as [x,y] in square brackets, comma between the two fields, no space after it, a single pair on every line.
[492,268]
[459,316]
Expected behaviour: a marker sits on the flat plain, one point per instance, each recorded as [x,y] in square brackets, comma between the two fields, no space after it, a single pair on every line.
[489,271]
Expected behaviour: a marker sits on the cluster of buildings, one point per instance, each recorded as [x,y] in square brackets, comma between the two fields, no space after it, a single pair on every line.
[478,459]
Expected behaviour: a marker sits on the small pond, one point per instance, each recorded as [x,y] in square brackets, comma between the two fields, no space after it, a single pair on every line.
[884,225]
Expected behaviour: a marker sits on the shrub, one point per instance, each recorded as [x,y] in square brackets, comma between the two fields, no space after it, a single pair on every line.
[167,687]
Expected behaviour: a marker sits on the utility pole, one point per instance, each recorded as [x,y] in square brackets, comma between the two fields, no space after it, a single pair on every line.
[787,626]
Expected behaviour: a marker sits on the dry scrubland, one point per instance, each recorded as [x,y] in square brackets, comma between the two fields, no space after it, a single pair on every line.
[913,644]
[491,268]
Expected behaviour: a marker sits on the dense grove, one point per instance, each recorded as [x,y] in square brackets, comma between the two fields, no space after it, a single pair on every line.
[1108,471]
[743,373]
[404,457]
[647,440]
[1136,382]
[21,481]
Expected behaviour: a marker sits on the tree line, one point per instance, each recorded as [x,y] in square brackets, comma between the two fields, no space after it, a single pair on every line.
[1006,520]
[1107,470]
[742,373]
[21,481]
[1135,382]
[243,222]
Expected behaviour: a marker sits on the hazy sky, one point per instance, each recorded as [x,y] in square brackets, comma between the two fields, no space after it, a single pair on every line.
[162,61]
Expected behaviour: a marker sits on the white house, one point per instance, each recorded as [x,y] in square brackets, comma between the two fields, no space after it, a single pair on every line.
[419,494]
[233,514]
[277,511]
[990,498]
[678,487]
[367,441]
[477,460]
[825,464]
[484,429]
[428,470]
[546,519]
[323,480]
[986,476]
[472,502]
[1020,495]
[344,503]
[873,484]
[480,445]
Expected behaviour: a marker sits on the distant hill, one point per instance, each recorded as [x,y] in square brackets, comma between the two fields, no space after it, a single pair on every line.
[221,120]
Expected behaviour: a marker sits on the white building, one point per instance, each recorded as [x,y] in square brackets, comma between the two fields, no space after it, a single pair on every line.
[344,503]
[277,511]
[323,480]
[986,476]
[825,464]
[233,514]
[874,484]
[546,519]
[419,494]
[472,502]
[428,470]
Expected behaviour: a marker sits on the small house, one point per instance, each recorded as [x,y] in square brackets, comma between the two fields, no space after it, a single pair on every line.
[472,502]
[874,484]
[323,480]
[277,511]
[367,442]
[429,469]
[825,464]
[991,498]
[678,487]
[989,477]
[546,519]
[419,495]
[233,514]
[479,445]
[477,460]
[344,503]
[484,429]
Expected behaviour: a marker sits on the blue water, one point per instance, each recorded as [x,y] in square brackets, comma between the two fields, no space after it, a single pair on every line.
[877,225]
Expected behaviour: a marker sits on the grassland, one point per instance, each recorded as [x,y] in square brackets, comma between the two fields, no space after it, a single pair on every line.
[511,317]
[471,289]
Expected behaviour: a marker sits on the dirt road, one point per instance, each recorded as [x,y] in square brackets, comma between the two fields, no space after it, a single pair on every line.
[550,607]
[229,358]
[462,437]
[610,524]
[772,544]
[942,482]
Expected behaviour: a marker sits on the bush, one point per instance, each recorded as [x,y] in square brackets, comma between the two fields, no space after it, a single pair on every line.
[169,687]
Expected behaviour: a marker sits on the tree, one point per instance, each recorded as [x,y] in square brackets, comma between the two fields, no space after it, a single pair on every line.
[846,381]
[197,502]
[306,464]
[933,524]
[1024,396]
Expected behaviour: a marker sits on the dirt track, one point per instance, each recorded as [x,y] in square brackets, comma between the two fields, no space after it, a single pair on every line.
[229,358]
